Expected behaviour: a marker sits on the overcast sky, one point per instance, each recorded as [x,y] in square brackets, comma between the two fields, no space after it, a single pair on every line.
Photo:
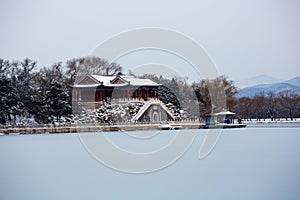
[244,38]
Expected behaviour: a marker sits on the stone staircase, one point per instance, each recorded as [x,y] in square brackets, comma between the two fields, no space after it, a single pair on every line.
[147,104]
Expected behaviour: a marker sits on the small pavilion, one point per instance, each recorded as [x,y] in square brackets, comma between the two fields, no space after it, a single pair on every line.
[224,119]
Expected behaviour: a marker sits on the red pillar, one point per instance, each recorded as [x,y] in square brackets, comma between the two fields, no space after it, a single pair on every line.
[96,96]
[142,93]
[147,93]
[101,95]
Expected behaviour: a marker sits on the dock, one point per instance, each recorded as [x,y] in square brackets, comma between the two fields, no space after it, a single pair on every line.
[223,126]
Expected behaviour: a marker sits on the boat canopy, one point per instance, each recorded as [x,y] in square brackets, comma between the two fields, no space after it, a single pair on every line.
[225,112]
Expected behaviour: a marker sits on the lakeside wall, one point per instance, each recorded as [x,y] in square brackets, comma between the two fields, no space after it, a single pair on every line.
[74,129]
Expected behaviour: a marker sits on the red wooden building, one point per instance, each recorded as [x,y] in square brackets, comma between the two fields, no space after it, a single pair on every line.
[96,88]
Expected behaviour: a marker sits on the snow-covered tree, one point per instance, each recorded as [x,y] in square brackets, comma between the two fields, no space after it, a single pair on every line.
[52,97]
[4,88]
[58,100]
[19,93]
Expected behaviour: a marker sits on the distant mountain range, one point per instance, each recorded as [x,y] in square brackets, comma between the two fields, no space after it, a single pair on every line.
[292,84]
[261,79]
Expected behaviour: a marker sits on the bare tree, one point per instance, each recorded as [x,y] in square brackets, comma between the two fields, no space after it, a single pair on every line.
[73,67]
[243,108]
[271,104]
[289,101]
[90,65]
[259,106]
[215,94]
[203,97]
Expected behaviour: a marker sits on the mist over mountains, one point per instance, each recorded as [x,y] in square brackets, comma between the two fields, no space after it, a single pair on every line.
[256,80]
[265,84]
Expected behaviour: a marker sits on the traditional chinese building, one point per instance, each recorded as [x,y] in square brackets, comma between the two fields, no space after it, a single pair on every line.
[96,88]
[92,91]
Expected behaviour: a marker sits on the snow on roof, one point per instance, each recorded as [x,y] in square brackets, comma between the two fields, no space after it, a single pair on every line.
[105,79]
[226,113]
[129,80]
[139,81]
[85,85]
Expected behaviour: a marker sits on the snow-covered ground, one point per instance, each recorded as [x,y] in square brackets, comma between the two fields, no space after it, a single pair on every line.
[122,112]
[281,120]
[273,123]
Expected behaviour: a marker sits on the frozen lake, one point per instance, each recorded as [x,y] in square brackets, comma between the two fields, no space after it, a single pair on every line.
[251,163]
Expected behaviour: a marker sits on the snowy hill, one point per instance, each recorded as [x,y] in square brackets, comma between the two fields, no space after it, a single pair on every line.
[294,81]
[292,84]
[257,80]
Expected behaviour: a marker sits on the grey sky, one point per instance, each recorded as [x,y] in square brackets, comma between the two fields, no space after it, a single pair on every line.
[244,38]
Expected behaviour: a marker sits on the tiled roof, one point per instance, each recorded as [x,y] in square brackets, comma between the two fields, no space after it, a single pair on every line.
[124,80]
[139,81]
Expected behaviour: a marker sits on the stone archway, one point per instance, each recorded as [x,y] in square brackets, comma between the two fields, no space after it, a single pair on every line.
[155,117]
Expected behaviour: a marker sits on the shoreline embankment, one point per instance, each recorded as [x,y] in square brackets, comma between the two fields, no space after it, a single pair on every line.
[89,128]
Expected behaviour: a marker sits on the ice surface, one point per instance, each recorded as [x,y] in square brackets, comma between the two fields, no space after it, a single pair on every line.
[250,163]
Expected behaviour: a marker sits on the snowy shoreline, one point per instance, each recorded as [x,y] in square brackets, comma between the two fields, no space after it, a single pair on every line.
[74,129]
[268,120]
[140,127]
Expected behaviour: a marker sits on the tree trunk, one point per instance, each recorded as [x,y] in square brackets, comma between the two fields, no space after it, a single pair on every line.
[291,114]
[15,119]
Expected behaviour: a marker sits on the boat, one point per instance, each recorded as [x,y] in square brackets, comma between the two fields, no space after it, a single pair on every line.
[166,127]
[176,127]
[170,127]
[222,120]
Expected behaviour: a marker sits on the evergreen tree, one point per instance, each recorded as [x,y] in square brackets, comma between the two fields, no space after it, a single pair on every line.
[4,88]
[53,96]
[58,101]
